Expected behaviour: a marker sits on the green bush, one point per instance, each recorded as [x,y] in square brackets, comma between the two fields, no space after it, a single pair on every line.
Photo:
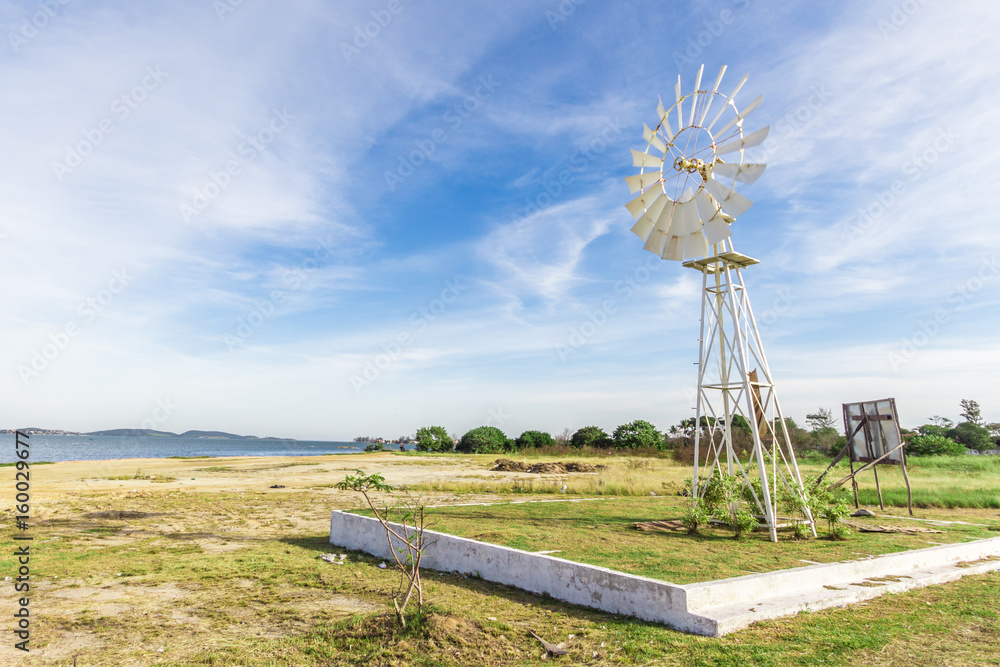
[434,439]
[483,440]
[933,445]
[971,435]
[534,439]
[590,436]
[637,434]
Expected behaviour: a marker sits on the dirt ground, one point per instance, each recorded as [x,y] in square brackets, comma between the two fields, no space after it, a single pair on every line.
[146,514]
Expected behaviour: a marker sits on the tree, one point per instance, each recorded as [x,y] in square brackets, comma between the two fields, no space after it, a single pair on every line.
[564,437]
[821,419]
[942,421]
[534,440]
[933,445]
[970,411]
[434,439]
[406,545]
[590,436]
[483,440]
[932,429]
[971,435]
[637,434]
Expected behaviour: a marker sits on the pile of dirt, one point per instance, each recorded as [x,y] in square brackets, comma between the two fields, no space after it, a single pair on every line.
[506,465]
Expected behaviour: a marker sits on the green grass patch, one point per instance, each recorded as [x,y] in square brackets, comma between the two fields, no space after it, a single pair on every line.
[601,532]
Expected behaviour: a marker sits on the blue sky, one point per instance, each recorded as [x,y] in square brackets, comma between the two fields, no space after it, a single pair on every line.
[262,219]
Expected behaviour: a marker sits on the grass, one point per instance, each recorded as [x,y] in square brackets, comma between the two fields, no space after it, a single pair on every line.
[936,482]
[229,578]
[601,532]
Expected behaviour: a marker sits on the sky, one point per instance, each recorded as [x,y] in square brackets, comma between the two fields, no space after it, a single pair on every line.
[325,220]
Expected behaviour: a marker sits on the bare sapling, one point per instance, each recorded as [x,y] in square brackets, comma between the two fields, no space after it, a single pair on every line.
[405,535]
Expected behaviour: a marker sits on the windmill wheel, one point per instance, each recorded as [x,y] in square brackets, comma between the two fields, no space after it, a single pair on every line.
[683,210]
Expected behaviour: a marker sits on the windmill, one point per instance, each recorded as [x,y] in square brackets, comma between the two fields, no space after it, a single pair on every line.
[683,212]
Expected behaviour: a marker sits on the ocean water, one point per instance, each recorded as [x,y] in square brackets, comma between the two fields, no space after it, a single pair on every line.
[104,447]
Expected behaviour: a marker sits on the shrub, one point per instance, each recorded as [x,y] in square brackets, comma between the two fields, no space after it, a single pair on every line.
[483,440]
[375,447]
[590,436]
[637,434]
[694,517]
[971,435]
[434,439]
[534,440]
[933,445]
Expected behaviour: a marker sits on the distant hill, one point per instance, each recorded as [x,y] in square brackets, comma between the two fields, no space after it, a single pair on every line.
[146,433]
[133,432]
[216,434]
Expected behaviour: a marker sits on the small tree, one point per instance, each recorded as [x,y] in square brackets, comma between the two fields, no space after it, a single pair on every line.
[942,421]
[534,440]
[483,440]
[564,437]
[406,545]
[434,439]
[637,434]
[590,436]
[821,419]
[970,412]
[971,435]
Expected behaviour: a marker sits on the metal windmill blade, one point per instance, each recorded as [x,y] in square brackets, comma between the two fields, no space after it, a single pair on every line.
[682,209]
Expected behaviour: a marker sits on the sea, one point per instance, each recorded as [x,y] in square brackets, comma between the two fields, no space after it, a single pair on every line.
[104,447]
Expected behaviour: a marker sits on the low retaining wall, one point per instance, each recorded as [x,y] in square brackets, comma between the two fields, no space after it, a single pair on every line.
[705,608]
[578,583]
[762,586]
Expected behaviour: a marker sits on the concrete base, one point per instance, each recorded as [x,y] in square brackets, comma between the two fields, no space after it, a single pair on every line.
[712,608]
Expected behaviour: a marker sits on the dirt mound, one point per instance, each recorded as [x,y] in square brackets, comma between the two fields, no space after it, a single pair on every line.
[557,468]
[548,468]
[506,465]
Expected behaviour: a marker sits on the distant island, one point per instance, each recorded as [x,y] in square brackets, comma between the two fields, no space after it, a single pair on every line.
[144,433]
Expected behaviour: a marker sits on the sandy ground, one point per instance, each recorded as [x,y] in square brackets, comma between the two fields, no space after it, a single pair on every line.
[70,499]
[295,473]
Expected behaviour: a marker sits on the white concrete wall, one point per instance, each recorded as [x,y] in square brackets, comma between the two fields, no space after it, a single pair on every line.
[587,585]
[709,594]
[710,608]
